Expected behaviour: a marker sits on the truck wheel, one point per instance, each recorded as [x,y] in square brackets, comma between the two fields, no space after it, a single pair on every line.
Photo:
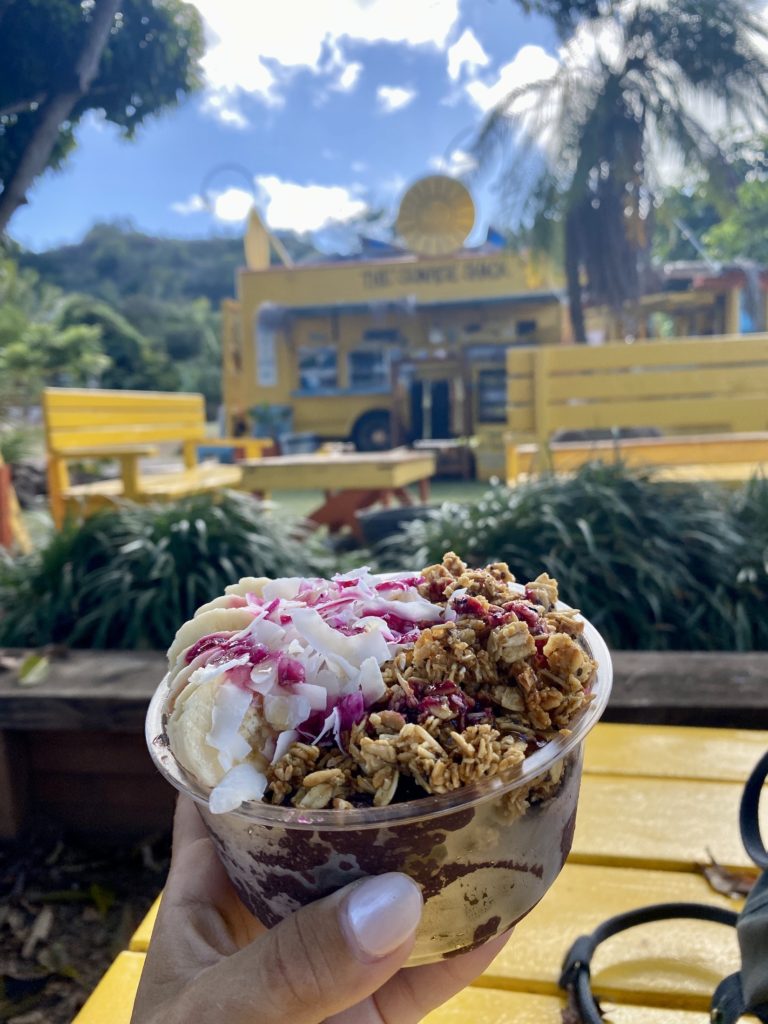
[373,431]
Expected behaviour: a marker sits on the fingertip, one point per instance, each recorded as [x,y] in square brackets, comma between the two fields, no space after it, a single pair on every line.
[380,914]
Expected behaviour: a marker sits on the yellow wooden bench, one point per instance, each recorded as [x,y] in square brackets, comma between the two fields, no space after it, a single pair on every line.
[655,802]
[126,426]
[707,394]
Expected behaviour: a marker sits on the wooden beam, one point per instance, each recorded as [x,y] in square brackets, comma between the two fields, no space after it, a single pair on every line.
[110,690]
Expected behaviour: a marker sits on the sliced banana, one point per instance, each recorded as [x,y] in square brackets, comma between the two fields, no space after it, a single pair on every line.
[217,620]
[187,728]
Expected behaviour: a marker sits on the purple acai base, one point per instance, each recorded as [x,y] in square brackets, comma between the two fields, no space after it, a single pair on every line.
[481,869]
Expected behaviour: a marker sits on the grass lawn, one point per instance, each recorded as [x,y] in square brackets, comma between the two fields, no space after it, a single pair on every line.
[301,503]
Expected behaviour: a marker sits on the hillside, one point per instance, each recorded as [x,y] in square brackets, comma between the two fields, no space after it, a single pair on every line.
[114,262]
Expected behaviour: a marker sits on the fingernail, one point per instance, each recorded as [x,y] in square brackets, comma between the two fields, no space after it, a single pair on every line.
[380,914]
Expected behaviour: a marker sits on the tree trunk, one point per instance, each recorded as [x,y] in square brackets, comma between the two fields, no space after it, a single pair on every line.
[55,110]
[572,277]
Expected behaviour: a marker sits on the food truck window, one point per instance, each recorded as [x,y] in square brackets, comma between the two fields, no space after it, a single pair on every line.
[317,368]
[491,396]
[368,369]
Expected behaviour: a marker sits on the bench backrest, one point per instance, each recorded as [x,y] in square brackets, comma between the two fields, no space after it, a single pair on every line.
[689,385]
[81,417]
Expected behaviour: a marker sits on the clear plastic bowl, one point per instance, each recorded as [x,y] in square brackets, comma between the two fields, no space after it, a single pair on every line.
[482,856]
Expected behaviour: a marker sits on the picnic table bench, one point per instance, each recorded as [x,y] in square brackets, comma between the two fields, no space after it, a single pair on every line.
[86,424]
[656,803]
[351,481]
[706,394]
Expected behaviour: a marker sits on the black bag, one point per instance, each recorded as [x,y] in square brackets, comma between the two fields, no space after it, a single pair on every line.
[744,992]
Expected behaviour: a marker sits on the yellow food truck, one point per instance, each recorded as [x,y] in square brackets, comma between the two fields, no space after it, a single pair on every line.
[394,346]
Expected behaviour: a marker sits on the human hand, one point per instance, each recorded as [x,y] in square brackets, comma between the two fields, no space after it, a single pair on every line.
[338,961]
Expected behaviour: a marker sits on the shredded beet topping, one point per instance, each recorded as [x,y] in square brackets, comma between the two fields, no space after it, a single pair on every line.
[436,590]
[527,615]
[290,671]
[470,606]
[206,643]
[530,596]
[426,698]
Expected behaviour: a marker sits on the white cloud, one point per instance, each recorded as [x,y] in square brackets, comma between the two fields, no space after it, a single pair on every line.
[359,166]
[394,97]
[284,205]
[195,204]
[231,205]
[467,52]
[288,205]
[250,52]
[348,77]
[458,162]
[530,64]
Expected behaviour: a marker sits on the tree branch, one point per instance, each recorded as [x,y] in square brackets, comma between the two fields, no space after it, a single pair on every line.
[21,105]
[55,110]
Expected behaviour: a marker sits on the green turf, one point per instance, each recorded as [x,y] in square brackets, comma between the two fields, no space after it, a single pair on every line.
[301,503]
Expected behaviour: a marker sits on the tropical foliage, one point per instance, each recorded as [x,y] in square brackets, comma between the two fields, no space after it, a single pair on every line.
[654,566]
[61,59]
[640,84]
[128,578]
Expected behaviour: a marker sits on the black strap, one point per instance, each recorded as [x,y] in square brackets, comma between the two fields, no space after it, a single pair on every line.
[749,820]
[734,993]
[575,977]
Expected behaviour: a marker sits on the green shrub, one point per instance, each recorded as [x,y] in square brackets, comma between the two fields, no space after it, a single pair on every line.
[129,577]
[750,509]
[654,566]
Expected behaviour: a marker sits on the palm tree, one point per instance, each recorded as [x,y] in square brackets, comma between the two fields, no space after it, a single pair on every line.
[644,84]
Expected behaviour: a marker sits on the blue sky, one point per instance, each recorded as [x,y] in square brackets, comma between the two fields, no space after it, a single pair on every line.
[323,107]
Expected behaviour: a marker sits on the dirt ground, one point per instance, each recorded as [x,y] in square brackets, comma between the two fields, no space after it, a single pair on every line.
[67,908]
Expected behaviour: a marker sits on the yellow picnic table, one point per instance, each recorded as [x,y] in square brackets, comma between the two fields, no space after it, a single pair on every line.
[656,802]
[351,481]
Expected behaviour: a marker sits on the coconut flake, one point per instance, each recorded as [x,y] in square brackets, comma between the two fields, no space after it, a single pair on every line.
[286,711]
[284,741]
[371,681]
[229,708]
[316,695]
[242,783]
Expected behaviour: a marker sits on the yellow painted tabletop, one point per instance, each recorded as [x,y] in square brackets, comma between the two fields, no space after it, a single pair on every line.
[668,963]
[112,1000]
[359,470]
[659,823]
[486,1006]
[682,752]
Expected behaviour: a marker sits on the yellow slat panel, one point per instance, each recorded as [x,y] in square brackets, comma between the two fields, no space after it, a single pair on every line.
[521,419]
[749,413]
[670,963]
[659,823]
[674,752]
[128,434]
[112,1000]
[76,397]
[519,390]
[660,382]
[88,417]
[689,352]
[733,473]
[693,450]
[520,361]
[487,1006]
[140,939]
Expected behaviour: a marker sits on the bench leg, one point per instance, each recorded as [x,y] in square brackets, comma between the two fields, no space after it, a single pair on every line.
[339,510]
